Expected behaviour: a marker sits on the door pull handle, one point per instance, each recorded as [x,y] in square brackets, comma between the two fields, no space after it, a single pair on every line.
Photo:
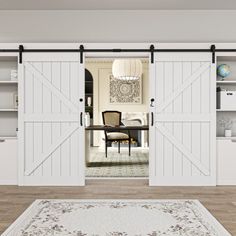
[152,119]
[81,118]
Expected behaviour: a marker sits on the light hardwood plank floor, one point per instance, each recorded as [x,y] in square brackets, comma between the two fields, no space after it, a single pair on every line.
[220,201]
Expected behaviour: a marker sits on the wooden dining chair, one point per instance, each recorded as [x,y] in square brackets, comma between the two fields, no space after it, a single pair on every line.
[113,118]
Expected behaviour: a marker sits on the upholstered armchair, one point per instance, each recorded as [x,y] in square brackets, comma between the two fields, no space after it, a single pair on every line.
[113,118]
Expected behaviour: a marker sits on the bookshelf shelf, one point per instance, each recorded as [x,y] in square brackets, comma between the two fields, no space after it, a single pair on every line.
[7,137]
[225,138]
[8,109]
[226,82]
[224,110]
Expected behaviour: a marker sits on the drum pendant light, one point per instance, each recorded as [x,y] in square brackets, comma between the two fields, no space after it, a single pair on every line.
[127,69]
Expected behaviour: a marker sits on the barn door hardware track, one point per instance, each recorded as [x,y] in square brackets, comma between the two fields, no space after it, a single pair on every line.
[213,50]
[81,48]
[21,50]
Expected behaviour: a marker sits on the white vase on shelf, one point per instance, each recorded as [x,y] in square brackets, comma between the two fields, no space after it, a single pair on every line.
[14,75]
[15,100]
[228,133]
[89,101]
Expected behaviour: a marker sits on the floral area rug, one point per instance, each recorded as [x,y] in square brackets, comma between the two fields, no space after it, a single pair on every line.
[116,218]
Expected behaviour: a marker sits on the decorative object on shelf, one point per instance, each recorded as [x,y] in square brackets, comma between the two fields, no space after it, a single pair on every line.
[125,92]
[89,101]
[87,119]
[127,69]
[228,133]
[223,71]
[14,75]
[226,123]
[226,100]
[15,100]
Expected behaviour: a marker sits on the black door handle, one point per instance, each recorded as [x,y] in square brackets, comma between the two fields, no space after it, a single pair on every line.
[152,119]
[81,118]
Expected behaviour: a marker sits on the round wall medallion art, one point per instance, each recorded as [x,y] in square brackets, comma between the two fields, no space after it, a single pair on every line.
[128,91]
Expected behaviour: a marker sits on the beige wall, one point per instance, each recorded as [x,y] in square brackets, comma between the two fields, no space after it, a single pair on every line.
[101,69]
[118,26]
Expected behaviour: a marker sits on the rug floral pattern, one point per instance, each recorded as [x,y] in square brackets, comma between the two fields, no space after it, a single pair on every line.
[58,217]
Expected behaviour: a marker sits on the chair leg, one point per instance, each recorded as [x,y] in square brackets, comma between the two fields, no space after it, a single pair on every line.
[129,147]
[106,149]
[118,146]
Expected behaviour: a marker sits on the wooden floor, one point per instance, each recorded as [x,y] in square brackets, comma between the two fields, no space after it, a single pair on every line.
[220,201]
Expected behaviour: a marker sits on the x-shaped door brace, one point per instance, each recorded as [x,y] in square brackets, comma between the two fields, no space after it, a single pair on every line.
[183,86]
[70,117]
[44,80]
[187,153]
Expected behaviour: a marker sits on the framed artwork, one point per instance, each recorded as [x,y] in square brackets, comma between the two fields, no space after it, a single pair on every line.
[125,91]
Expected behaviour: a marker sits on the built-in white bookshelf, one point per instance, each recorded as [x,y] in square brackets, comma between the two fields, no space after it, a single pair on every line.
[228,84]
[8,97]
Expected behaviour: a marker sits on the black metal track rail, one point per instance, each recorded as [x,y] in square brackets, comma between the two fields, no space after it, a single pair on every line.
[9,50]
[76,50]
[83,50]
[118,50]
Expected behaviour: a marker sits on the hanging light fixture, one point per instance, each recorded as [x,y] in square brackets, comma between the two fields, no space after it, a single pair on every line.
[127,69]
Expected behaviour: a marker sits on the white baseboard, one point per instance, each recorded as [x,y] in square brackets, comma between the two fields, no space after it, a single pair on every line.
[226,181]
[8,182]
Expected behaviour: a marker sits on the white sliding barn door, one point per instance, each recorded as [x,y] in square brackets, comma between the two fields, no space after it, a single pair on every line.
[182,138]
[51,134]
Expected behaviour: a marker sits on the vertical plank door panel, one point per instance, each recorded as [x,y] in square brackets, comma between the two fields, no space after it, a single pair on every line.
[47,126]
[183,145]
[52,137]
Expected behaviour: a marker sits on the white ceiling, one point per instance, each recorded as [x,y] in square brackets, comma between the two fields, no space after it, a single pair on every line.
[117,4]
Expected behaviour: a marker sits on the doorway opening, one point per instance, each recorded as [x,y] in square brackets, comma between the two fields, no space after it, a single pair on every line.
[130,98]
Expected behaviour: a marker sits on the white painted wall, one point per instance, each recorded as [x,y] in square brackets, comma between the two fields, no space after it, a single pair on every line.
[117,26]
